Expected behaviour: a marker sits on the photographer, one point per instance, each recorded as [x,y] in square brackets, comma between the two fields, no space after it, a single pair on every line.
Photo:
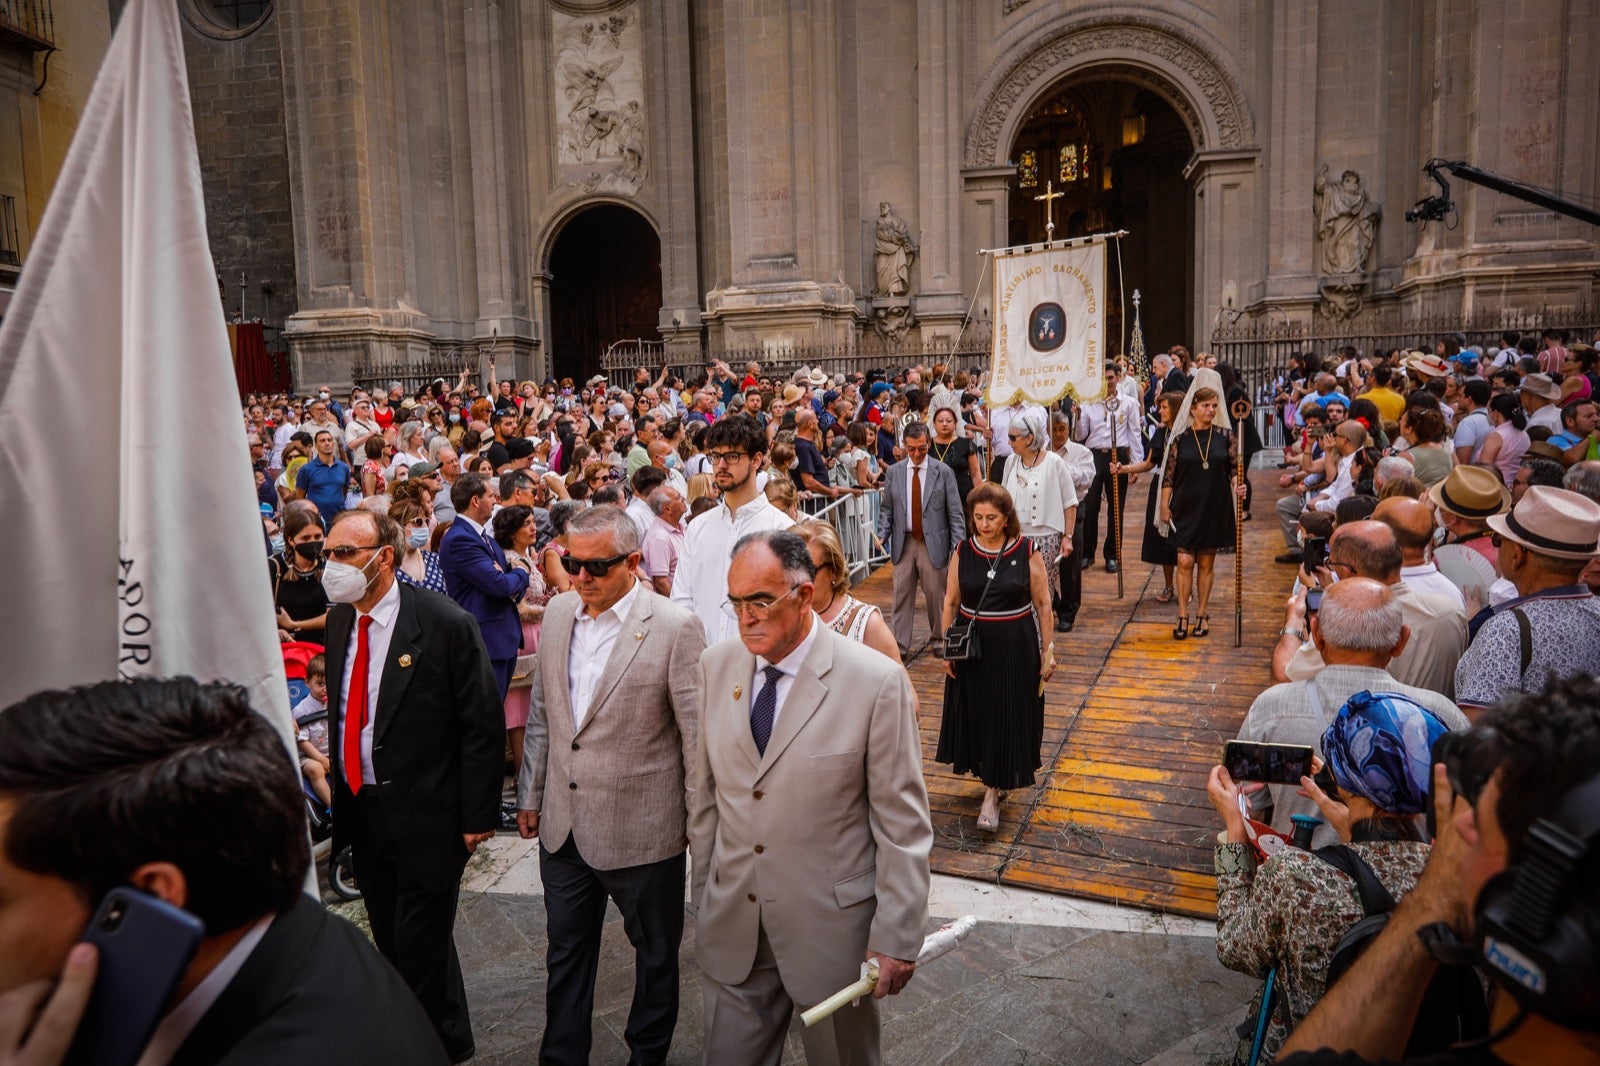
[180,790]
[1516,801]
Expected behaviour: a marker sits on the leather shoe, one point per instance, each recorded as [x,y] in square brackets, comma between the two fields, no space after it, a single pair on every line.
[1087,561]
[463,1054]
[1111,566]
[1063,626]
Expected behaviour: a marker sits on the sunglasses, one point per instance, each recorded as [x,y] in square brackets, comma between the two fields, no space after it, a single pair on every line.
[596,567]
[346,553]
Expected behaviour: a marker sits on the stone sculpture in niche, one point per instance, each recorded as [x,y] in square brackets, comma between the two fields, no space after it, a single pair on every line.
[1347,229]
[892,255]
[598,75]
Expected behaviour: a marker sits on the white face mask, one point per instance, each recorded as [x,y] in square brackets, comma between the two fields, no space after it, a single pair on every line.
[345,583]
[417,538]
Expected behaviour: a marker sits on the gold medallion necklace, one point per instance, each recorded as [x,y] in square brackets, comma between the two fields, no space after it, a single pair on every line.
[1205,453]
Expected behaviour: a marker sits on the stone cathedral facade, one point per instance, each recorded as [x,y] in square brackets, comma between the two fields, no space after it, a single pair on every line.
[392,179]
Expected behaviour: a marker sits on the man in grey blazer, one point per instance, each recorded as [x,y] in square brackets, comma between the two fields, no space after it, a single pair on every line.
[920,538]
[809,820]
[605,775]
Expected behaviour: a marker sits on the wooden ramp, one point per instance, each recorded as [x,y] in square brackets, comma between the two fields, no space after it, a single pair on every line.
[1134,720]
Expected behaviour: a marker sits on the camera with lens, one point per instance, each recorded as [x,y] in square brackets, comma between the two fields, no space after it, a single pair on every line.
[1469,761]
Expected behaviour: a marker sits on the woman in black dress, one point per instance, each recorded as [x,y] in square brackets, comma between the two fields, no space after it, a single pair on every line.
[994,705]
[955,450]
[1197,492]
[296,575]
[1157,548]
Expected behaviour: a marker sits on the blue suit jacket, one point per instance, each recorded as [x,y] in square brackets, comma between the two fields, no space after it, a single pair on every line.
[479,578]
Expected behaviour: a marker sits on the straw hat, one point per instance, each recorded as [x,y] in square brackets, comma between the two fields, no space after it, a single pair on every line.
[817,378]
[1554,522]
[1432,366]
[792,393]
[1472,492]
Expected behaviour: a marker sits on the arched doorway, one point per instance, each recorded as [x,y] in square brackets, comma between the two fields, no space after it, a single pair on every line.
[605,286]
[1116,151]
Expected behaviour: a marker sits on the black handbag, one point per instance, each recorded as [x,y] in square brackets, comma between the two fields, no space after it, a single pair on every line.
[961,644]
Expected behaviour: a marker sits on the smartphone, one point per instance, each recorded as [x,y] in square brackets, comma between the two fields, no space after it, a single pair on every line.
[1315,553]
[1313,601]
[145,946]
[1276,764]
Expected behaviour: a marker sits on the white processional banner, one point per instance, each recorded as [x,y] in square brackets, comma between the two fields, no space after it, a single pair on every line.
[131,522]
[1049,305]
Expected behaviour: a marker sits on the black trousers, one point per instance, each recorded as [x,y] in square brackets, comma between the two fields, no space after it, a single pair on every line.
[1071,573]
[997,468]
[1089,507]
[650,898]
[413,926]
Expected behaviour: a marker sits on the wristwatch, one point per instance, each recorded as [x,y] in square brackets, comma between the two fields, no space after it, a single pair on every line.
[1288,631]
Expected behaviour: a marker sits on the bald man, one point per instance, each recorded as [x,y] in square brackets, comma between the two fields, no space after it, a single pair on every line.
[1413,525]
[1437,625]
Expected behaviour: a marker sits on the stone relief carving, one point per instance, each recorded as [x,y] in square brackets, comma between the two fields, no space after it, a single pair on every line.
[1347,228]
[892,254]
[599,92]
[1012,5]
[891,319]
[1223,98]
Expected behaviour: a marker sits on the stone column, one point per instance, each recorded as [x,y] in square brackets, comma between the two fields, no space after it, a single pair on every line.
[1226,258]
[940,304]
[1290,159]
[985,223]
[672,171]
[783,144]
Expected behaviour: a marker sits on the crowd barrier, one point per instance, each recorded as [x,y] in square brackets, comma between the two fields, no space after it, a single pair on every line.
[855,519]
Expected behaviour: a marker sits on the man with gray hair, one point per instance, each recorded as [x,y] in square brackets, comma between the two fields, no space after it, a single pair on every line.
[663,541]
[605,784]
[1584,479]
[1358,630]
[1388,469]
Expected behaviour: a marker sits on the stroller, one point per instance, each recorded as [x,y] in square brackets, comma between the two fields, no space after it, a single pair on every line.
[341,871]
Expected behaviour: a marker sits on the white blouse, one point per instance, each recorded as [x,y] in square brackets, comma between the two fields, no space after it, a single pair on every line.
[1041,493]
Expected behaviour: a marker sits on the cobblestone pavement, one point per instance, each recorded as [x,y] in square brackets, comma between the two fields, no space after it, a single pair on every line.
[1042,980]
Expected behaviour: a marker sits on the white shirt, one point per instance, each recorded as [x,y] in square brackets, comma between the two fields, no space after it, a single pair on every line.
[642,516]
[790,665]
[358,431]
[701,583]
[1427,578]
[1342,487]
[592,641]
[179,1023]
[1094,428]
[1080,464]
[1001,418]
[1129,388]
[1548,416]
[280,440]
[379,634]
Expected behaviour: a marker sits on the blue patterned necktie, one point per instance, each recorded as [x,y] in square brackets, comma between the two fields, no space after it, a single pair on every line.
[764,709]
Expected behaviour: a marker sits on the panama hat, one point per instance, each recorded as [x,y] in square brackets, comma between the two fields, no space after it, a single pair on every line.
[1542,385]
[1553,521]
[817,378]
[1430,365]
[1472,492]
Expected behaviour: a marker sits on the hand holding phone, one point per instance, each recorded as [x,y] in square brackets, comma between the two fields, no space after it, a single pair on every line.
[1274,764]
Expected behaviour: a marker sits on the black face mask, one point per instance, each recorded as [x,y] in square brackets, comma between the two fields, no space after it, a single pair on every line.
[310,550]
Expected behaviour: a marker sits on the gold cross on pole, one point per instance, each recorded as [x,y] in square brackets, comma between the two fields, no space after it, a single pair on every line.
[1049,221]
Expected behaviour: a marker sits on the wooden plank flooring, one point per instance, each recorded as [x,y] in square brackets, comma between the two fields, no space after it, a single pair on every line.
[1134,720]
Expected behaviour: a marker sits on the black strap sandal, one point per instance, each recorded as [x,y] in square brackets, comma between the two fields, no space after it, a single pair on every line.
[1181,630]
[1200,627]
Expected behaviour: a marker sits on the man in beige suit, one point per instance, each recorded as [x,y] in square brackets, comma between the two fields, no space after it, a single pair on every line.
[809,820]
[609,753]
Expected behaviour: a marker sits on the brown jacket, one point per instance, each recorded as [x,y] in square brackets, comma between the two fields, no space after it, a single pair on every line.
[617,785]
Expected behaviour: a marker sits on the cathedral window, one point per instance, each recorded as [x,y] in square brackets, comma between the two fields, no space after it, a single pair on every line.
[1028,169]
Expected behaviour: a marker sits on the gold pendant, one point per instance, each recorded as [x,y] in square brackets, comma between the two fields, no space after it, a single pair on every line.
[1205,464]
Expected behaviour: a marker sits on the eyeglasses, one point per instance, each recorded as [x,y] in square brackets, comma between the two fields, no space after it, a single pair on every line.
[1334,564]
[726,458]
[1017,436]
[756,607]
[596,567]
[350,551]
[605,477]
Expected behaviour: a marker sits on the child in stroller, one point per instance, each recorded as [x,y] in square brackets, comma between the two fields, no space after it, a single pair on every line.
[311,724]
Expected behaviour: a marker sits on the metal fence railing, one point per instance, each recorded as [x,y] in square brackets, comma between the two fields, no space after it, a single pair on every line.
[34,19]
[783,360]
[855,519]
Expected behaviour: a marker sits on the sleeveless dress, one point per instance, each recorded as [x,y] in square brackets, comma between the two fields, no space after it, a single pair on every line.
[993,711]
[852,621]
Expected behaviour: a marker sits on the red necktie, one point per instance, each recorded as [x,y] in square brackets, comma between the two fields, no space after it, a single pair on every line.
[355,709]
[916,501]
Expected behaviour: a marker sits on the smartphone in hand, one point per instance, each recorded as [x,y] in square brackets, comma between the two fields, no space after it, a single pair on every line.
[1275,764]
[145,946]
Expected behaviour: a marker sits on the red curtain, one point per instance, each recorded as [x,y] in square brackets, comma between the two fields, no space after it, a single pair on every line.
[253,366]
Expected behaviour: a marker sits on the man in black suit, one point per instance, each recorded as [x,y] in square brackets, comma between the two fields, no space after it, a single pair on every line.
[87,804]
[417,735]
[1165,376]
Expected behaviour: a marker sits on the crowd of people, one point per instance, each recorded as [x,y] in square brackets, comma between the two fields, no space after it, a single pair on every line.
[637,598]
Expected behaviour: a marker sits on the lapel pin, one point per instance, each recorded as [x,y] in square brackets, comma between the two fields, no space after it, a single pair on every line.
[405,660]
[737,692]
[638,636]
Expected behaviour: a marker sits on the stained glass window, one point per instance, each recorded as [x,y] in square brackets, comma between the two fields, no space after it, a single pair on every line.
[1069,163]
[1028,169]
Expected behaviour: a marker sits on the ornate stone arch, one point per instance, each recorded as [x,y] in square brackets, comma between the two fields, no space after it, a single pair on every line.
[1169,60]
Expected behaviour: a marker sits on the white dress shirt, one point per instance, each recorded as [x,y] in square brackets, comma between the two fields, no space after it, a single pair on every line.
[592,641]
[1427,579]
[379,634]
[639,510]
[790,665]
[1094,428]
[179,1023]
[1080,464]
[701,583]
[1001,418]
[1342,488]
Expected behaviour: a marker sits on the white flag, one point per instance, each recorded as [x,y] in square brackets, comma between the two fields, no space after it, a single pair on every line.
[1049,319]
[131,523]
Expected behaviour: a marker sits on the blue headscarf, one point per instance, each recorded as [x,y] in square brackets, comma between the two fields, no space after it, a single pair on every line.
[1380,746]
